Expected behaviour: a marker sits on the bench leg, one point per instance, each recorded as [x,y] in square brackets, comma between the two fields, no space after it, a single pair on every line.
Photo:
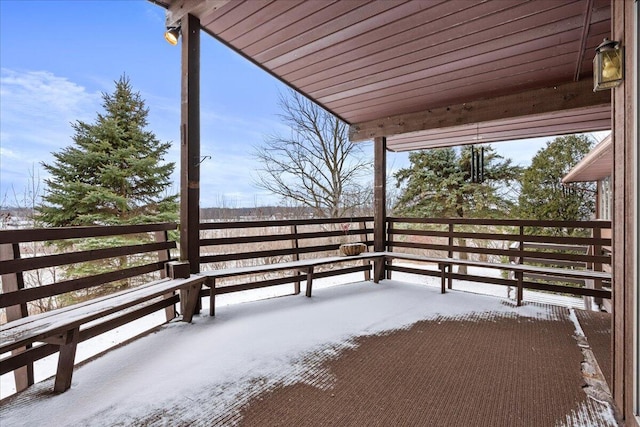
[443,276]
[65,361]
[519,275]
[191,297]
[377,269]
[212,297]
[309,281]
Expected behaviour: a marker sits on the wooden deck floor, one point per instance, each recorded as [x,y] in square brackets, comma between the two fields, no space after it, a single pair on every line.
[480,361]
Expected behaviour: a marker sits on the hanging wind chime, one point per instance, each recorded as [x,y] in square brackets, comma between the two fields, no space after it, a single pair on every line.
[477,164]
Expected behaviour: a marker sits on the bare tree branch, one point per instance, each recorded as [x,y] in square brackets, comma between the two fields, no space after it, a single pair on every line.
[315,165]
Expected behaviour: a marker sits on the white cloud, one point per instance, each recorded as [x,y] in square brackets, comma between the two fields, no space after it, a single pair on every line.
[36,113]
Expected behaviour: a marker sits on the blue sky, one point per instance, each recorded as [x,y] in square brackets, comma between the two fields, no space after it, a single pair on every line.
[58,57]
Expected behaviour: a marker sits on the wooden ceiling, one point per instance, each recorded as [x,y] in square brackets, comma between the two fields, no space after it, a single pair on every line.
[373,62]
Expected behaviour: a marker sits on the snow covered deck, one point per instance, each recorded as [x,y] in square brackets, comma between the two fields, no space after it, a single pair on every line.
[358,354]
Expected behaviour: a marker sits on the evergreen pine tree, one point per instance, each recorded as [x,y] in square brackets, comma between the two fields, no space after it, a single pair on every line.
[113,173]
[544,196]
[438,184]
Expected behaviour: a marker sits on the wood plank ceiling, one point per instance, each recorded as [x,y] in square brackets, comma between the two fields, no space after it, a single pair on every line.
[370,62]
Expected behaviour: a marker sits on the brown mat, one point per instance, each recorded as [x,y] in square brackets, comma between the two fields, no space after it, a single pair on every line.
[597,328]
[480,371]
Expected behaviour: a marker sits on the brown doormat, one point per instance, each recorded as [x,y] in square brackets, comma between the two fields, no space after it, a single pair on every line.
[477,370]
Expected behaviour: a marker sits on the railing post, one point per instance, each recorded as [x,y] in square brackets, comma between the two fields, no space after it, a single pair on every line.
[10,283]
[520,274]
[597,266]
[164,256]
[389,244]
[296,256]
[363,237]
[450,255]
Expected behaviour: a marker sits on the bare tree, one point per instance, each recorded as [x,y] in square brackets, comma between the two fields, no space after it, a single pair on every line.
[315,165]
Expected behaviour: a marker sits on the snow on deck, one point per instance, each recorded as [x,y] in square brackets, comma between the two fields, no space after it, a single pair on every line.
[247,348]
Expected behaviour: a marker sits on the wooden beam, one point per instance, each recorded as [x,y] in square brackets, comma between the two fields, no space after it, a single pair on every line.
[178,10]
[588,7]
[545,100]
[190,145]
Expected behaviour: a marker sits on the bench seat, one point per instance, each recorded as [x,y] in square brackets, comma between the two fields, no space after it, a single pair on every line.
[61,327]
[306,265]
[445,264]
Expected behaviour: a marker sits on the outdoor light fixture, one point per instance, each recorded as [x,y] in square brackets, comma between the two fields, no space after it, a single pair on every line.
[608,69]
[172,34]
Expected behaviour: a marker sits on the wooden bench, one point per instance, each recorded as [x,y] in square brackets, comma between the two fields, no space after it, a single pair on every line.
[445,264]
[306,266]
[62,327]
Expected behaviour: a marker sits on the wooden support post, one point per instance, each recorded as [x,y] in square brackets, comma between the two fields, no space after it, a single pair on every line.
[296,256]
[625,131]
[309,281]
[10,283]
[380,198]
[65,360]
[190,145]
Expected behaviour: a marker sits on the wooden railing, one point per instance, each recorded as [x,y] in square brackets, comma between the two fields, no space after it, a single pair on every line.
[29,253]
[504,240]
[34,264]
[249,243]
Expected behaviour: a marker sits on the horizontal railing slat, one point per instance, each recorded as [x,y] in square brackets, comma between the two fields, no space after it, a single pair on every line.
[46,261]
[570,240]
[280,237]
[31,294]
[502,252]
[63,233]
[509,222]
[281,223]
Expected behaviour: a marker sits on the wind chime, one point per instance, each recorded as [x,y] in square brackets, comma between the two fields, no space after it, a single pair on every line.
[477,164]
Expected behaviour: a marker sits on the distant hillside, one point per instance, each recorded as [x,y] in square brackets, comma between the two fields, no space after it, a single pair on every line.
[262,212]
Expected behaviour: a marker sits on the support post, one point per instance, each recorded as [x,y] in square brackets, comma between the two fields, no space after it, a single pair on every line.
[190,144]
[380,197]
[13,282]
[625,131]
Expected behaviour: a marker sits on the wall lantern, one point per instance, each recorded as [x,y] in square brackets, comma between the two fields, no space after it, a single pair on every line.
[172,34]
[608,66]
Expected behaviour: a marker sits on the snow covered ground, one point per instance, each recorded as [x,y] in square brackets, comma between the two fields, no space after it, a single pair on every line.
[45,368]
